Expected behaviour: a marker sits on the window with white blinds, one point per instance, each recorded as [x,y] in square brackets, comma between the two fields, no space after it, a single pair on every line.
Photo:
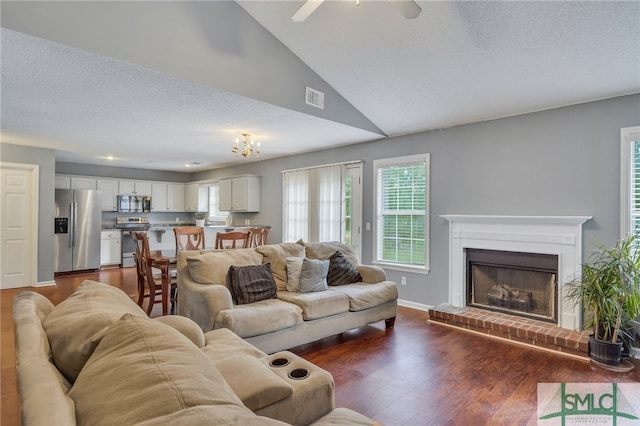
[214,214]
[630,180]
[402,212]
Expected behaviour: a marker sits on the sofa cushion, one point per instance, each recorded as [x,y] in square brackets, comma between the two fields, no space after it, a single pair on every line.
[170,374]
[185,326]
[253,382]
[251,283]
[341,271]
[73,327]
[324,250]
[364,296]
[317,305]
[212,267]
[313,275]
[259,318]
[277,255]
[294,267]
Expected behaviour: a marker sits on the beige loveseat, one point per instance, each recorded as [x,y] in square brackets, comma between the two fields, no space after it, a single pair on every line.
[97,359]
[292,318]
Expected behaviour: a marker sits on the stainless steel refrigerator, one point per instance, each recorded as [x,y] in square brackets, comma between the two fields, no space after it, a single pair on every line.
[78,222]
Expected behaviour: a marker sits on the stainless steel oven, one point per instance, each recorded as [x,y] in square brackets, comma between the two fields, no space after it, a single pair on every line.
[128,225]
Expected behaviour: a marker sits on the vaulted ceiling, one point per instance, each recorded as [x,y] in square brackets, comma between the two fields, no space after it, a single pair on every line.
[159,85]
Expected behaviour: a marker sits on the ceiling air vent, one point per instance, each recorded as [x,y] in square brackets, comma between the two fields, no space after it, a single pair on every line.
[314,98]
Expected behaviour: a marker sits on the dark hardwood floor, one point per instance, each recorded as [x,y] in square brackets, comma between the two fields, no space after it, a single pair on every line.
[417,373]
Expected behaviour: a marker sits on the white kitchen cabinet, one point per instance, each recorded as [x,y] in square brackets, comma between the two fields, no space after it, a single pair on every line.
[109,188]
[240,194]
[175,197]
[110,247]
[134,187]
[167,197]
[78,182]
[63,182]
[191,197]
[158,197]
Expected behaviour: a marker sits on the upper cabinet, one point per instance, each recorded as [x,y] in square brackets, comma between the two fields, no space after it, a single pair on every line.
[167,197]
[109,188]
[75,182]
[134,187]
[191,197]
[240,194]
[175,197]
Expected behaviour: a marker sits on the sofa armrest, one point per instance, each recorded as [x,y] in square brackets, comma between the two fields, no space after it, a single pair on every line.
[372,274]
[201,302]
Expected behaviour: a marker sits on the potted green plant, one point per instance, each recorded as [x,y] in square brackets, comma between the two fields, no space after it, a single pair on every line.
[609,291]
[200,217]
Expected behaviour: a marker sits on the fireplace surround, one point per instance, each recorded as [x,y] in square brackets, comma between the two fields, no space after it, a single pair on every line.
[559,236]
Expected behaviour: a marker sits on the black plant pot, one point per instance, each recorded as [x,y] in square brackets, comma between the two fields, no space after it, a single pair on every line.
[605,352]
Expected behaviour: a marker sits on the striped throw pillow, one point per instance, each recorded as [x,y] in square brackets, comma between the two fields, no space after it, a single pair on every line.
[341,271]
[251,283]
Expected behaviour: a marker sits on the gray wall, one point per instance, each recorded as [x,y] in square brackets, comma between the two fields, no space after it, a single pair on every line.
[557,162]
[45,158]
[564,161]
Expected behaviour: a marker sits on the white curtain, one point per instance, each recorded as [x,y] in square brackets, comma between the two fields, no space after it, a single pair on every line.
[296,205]
[313,204]
[330,197]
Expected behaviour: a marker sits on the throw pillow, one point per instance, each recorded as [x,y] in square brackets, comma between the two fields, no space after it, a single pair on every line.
[75,326]
[277,255]
[294,266]
[251,283]
[341,271]
[313,275]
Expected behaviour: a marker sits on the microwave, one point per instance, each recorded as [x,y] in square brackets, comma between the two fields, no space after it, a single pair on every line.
[134,204]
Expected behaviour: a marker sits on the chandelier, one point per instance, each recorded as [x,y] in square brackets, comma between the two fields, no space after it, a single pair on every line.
[249,148]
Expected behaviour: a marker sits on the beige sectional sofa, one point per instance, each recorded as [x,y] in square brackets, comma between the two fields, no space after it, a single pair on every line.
[97,359]
[286,318]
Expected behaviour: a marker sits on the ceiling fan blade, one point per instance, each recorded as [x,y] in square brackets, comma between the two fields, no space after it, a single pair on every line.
[305,10]
[408,8]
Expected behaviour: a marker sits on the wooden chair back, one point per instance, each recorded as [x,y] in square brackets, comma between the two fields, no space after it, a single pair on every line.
[232,240]
[144,270]
[258,237]
[148,279]
[189,238]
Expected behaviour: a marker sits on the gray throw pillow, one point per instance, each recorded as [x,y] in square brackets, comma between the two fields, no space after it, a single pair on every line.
[294,266]
[341,271]
[313,275]
[251,283]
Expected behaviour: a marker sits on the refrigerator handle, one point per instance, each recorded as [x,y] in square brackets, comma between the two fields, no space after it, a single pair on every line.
[74,224]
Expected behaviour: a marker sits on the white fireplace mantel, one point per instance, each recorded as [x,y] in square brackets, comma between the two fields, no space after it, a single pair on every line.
[555,235]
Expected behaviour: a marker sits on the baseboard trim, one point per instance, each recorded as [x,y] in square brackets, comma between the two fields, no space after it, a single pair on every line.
[414,305]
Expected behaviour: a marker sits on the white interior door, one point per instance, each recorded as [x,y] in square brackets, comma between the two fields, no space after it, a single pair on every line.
[19,225]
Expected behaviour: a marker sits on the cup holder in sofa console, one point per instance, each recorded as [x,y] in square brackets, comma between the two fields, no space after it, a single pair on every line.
[299,374]
[279,362]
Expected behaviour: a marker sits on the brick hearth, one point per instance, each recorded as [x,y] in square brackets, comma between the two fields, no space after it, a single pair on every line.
[539,334]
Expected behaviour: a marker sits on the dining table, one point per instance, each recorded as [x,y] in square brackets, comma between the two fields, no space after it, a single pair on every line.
[166,261]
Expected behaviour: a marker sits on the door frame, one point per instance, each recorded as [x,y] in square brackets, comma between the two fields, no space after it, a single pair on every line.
[32,221]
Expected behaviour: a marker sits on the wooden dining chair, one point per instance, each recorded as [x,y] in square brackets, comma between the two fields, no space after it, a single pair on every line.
[149,278]
[258,237]
[232,240]
[189,238]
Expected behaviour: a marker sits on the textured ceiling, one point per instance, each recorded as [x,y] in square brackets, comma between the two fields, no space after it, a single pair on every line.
[458,62]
